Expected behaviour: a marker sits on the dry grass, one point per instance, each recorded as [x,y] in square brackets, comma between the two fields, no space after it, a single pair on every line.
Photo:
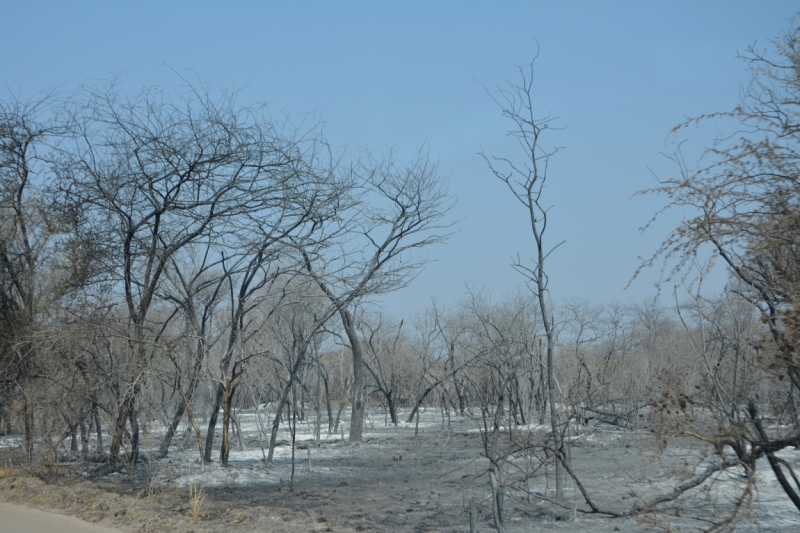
[196,498]
[8,471]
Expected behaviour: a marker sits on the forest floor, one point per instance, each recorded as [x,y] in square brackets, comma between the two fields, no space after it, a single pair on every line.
[394,482]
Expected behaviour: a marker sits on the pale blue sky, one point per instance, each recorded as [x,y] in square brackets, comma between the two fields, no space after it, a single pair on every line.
[619,75]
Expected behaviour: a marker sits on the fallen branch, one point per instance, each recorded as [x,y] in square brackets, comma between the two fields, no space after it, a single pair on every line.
[649,503]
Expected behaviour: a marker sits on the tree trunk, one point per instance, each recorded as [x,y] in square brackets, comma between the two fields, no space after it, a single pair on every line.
[357,416]
[84,439]
[224,364]
[163,449]
[318,407]
[98,428]
[133,457]
[551,389]
[419,401]
[540,391]
[496,473]
[343,402]
[456,382]
[328,405]
[392,402]
[239,434]
[180,409]
[123,416]
[127,409]
[27,417]
[224,450]
[6,423]
[73,438]
[462,397]
[283,399]
[212,422]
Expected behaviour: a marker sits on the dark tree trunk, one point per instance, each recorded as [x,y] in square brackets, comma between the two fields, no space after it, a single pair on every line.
[84,439]
[224,451]
[328,404]
[212,422]
[180,409]
[357,416]
[123,415]
[133,457]
[98,428]
[27,418]
[347,385]
[284,398]
[392,402]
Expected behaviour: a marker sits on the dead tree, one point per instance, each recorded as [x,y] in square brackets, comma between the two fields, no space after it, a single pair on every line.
[196,291]
[500,337]
[399,210]
[152,175]
[742,200]
[525,177]
[383,365]
[34,273]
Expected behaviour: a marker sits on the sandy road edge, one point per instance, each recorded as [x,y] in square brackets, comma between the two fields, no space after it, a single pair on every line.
[19,519]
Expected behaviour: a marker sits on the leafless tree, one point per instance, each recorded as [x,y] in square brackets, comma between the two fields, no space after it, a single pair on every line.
[34,275]
[502,337]
[744,199]
[581,322]
[452,329]
[296,327]
[526,177]
[399,211]
[436,370]
[155,173]
[194,286]
[383,362]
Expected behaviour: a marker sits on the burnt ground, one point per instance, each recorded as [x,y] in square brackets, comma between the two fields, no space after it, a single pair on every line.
[391,483]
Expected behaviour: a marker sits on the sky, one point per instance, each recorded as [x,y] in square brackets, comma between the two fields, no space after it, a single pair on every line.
[617,76]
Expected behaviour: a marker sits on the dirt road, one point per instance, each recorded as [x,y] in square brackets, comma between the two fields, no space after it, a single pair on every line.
[19,519]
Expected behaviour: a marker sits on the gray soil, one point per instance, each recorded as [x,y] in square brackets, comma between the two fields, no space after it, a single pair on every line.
[393,484]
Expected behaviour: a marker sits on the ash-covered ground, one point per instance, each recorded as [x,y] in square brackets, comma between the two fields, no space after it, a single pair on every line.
[396,482]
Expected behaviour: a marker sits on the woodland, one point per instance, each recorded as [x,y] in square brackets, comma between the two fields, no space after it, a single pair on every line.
[188,312]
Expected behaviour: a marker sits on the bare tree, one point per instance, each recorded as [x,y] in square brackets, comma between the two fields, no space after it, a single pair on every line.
[383,363]
[34,275]
[296,326]
[194,287]
[526,179]
[501,338]
[153,174]
[430,329]
[582,322]
[400,210]
[452,329]
[744,196]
